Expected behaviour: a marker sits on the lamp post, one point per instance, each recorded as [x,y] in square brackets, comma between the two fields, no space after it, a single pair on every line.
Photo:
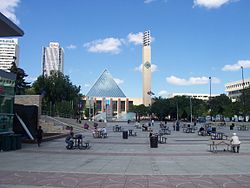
[177,112]
[243,92]
[191,116]
[210,79]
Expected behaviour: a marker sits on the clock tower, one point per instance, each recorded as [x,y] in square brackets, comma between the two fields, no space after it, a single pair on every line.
[146,69]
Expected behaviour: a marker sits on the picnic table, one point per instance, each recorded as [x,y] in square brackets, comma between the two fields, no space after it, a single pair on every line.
[214,144]
[218,136]
[242,128]
[117,128]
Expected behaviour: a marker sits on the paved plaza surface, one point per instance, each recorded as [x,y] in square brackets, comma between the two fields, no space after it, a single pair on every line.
[114,162]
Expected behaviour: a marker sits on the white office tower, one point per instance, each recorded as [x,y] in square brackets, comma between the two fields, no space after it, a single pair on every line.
[53,58]
[146,69]
[9,53]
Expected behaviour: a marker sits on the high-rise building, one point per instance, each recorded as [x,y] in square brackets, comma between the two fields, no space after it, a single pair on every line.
[52,59]
[9,53]
[146,69]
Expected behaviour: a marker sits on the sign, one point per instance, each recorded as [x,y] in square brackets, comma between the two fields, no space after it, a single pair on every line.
[1,90]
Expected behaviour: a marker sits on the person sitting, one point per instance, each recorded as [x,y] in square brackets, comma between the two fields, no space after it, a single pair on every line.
[69,140]
[209,130]
[235,143]
[95,133]
[104,133]
[144,127]
[201,131]
[150,133]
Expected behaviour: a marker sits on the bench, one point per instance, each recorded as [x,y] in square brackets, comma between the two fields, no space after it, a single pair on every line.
[164,139]
[85,144]
[215,143]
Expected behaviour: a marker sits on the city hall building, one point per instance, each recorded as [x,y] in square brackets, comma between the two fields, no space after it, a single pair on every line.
[106,96]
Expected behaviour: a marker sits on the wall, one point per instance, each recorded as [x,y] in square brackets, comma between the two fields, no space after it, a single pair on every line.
[30,100]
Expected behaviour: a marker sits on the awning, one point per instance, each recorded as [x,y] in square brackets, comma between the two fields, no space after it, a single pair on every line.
[8,28]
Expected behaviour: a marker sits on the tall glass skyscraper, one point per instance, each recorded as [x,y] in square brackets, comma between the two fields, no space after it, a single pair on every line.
[52,59]
[9,52]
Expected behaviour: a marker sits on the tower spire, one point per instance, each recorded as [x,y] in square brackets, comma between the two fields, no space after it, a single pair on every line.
[146,68]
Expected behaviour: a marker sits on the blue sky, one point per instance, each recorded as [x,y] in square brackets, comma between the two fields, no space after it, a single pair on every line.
[192,41]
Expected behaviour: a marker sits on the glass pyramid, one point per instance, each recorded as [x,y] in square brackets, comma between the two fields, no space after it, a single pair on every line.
[105,86]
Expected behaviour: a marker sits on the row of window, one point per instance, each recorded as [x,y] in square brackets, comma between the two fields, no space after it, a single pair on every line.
[238,85]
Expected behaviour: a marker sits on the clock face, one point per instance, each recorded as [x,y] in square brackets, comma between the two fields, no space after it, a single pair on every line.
[147,64]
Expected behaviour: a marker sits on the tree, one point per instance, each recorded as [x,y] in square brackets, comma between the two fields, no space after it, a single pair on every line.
[57,88]
[245,101]
[139,110]
[160,108]
[219,104]
[21,85]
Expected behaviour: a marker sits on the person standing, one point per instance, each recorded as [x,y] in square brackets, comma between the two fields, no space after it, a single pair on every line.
[39,136]
[174,126]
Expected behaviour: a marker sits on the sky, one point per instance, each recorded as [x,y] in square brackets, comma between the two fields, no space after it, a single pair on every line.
[192,40]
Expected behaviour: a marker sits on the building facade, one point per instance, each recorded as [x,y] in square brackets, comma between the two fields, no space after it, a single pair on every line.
[146,69]
[105,96]
[204,97]
[9,53]
[7,94]
[52,58]
[234,89]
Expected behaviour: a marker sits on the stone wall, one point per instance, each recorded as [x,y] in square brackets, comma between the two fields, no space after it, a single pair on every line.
[30,100]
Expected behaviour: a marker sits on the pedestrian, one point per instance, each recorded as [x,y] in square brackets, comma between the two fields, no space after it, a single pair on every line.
[39,136]
[235,143]
[174,125]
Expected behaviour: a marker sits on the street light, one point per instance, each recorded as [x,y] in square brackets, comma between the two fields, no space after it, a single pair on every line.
[243,92]
[210,79]
[191,116]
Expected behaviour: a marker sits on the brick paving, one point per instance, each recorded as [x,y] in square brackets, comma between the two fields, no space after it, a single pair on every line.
[127,163]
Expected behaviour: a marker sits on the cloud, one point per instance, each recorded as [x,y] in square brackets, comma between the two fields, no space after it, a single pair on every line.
[211,3]
[136,39]
[107,45]
[191,81]
[237,66]
[71,47]
[148,1]
[86,85]
[153,68]
[7,7]
[163,93]
[118,81]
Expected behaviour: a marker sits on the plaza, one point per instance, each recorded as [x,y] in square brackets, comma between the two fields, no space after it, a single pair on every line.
[183,161]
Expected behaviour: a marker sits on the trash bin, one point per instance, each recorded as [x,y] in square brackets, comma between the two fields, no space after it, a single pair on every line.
[1,142]
[213,129]
[154,141]
[18,141]
[12,142]
[6,144]
[125,134]
[232,126]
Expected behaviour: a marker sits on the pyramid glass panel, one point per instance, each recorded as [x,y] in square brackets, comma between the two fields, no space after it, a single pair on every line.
[105,86]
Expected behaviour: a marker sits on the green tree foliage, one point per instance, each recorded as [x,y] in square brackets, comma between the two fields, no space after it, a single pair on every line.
[139,110]
[21,85]
[245,99]
[163,108]
[57,88]
[220,105]
[160,108]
